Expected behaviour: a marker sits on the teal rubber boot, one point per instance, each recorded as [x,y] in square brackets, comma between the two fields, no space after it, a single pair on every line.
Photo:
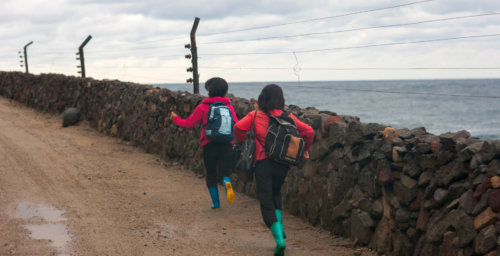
[279,216]
[278,237]
[228,185]
[214,193]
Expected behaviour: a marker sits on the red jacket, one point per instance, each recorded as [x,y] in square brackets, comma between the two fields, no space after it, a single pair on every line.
[260,128]
[200,114]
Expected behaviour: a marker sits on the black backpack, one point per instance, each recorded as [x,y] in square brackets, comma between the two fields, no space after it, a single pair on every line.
[283,142]
[246,152]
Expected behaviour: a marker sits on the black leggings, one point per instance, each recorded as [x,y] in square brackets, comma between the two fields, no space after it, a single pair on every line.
[270,176]
[217,155]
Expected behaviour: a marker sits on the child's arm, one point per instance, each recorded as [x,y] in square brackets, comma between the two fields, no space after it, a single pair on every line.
[243,126]
[195,118]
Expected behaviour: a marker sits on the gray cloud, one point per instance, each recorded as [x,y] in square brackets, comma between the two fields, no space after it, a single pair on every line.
[58,28]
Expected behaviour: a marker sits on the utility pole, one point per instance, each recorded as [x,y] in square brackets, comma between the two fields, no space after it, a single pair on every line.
[194,57]
[26,56]
[82,60]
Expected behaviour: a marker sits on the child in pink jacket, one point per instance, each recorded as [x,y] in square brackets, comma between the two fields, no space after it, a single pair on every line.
[218,145]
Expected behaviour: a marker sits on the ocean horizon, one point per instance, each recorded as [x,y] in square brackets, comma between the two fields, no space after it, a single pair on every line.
[437,113]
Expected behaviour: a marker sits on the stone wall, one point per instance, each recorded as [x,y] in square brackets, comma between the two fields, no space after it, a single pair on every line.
[399,191]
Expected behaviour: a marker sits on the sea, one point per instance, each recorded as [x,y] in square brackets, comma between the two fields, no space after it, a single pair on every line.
[389,102]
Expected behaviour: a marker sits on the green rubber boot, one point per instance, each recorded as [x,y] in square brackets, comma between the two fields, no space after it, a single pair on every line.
[279,216]
[278,237]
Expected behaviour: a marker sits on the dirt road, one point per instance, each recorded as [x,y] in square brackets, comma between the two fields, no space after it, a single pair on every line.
[117,200]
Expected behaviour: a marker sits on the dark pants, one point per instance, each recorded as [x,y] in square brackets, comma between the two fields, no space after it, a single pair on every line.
[217,155]
[270,176]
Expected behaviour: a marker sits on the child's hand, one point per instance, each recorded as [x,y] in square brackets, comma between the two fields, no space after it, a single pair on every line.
[306,155]
[172,116]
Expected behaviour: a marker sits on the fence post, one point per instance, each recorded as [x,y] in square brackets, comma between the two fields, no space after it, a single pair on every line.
[26,56]
[194,57]
[82,60]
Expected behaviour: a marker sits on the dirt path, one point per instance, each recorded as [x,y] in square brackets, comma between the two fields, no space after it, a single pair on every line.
[120,201]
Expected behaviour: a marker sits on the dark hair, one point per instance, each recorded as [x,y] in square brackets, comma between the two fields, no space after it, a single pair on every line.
[271,97]
[216,86]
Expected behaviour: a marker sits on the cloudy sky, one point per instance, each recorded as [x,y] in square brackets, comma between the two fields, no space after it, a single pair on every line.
[143,41]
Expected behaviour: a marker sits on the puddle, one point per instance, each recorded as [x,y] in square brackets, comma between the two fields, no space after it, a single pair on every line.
[24,211]
[50,214]
[55,232]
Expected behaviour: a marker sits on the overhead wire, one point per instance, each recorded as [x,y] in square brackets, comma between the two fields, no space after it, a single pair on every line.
[351,30]
[167,56]
[290,36]
[393,92]
[263,27]
[323,18]
[290,68]
[355,47]
[154,78]
[88,71]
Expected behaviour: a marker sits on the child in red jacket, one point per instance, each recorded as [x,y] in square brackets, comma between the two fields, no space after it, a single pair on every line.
[270,174]
[218,118]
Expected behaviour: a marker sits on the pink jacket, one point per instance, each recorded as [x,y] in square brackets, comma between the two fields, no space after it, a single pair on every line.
[200,114]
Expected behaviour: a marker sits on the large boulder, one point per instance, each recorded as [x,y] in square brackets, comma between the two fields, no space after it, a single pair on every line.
[382,238]
[468,152]
[408,190]
[459,188]
[447,249]
[366,181]
[489,150]
[337,135]
[443,220]
[486,240]
[342,210]
[350,175]
[361,227]
[464,225]
[468,202]
[449,139]
[449,173]
[494,200]
[354,135]
[71,116]
[384,172]
[486,218]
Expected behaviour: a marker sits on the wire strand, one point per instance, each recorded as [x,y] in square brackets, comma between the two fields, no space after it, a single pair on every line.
[303,21]
[351,30]
[290,36]
[355,47]
[288,68]
[155,78]
[378,91]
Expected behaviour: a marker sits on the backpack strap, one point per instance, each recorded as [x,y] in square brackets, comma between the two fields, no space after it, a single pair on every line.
[286,116]
[253,122]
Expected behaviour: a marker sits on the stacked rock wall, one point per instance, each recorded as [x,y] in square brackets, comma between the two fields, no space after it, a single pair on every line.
[399,191]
